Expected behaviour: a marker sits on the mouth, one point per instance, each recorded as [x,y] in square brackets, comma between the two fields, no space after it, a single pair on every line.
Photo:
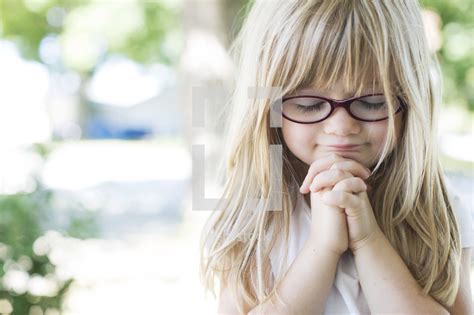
[344,148]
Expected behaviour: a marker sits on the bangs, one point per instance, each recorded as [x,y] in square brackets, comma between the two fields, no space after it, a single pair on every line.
[337,48]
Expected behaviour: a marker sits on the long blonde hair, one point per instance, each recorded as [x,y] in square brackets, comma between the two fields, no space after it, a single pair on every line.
[294,44]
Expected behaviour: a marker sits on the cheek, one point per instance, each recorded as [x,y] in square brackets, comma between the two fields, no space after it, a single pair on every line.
[379,131]
[300,139]
[293,135]
[398,126]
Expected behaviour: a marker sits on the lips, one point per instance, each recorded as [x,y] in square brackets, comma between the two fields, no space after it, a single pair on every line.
[346,147]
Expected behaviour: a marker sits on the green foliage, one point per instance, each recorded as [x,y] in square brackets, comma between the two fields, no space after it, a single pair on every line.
[88,32]
[457,52]
[26,27]
[20,217]
[151,32]
[152,42]
[24,218]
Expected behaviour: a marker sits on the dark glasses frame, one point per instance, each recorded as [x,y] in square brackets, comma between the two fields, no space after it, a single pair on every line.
[342,103]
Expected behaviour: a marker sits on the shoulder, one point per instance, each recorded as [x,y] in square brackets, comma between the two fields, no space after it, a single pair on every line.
[463,301]
[227,303]
[463,213]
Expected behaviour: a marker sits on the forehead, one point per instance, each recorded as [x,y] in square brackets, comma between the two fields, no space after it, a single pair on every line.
[342,82]
[338,91]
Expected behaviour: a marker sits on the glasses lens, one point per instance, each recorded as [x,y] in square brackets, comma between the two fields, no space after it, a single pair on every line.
[306,109]
[371,107]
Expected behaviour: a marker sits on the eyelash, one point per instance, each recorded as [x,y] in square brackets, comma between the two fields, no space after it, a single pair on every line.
[306,109]
[374,106]
[369,106]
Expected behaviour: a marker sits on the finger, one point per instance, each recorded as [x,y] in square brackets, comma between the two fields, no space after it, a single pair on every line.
[352,185]
[353,167]
[341,199]
[369,188]
[318,166]
[328,178]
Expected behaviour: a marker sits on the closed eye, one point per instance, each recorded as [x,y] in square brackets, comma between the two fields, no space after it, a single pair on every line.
[373,106]
[309,108]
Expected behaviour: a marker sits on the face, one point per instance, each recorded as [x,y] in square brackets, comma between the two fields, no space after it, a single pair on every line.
[309,142]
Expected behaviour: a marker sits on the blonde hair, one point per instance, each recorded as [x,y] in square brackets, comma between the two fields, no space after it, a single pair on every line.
[294,44]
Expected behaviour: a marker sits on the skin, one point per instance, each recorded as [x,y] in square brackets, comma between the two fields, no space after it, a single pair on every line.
[335,176]
[308,142]
[342,215]
[342,219]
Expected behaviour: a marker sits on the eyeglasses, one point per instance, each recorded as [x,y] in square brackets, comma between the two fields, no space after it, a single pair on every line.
[309,109]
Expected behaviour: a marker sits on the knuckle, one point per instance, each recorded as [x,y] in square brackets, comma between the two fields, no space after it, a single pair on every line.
[346,164]
[334,157]
[336,197]
[326,190]
[344,185]
[314,181]
[313,168]
[354,181]
[338,172]
[344,197]
[316,178]
[364,186]
[319,177]
[341,165]
[353,163]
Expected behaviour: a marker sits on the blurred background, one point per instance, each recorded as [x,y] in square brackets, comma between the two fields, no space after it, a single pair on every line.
[96,138]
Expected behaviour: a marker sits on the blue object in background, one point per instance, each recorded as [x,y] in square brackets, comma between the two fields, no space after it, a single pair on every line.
[99,129]
[133,133]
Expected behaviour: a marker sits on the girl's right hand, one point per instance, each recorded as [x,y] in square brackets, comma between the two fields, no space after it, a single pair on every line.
[326,163]
[328,226]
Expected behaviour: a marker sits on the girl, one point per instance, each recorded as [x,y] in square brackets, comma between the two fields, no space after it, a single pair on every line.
[368,222]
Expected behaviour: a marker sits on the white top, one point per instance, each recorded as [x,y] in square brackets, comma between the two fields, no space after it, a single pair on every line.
[346,296]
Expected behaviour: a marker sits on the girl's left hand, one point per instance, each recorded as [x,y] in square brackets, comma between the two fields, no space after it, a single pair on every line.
[361,223]
[349,192]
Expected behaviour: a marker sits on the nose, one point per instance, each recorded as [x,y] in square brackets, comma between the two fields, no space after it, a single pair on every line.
[340,123]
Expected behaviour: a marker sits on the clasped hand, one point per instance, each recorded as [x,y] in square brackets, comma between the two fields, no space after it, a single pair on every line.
[337,185]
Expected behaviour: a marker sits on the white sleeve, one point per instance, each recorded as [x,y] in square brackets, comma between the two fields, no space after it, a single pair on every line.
[465,222]
[463,214]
